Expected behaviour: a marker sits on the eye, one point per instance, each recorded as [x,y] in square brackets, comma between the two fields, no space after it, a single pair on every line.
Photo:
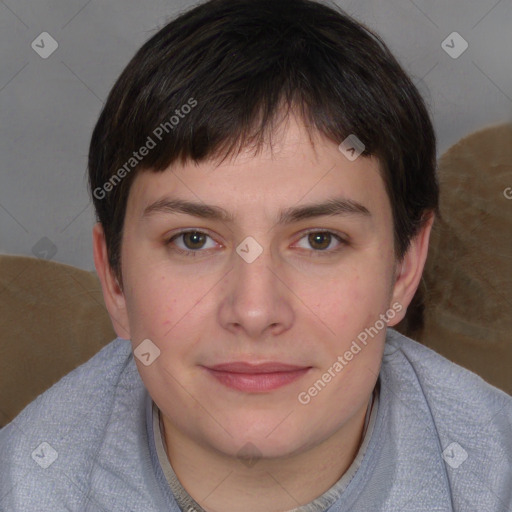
[321,240]
[193,242]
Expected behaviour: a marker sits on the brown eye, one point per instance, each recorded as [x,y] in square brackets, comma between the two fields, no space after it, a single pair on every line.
[320,243]
[320,240]
[194,239]
[190,243]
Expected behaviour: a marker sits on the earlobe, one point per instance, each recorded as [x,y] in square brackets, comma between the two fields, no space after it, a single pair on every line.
[410,269]
[112,293]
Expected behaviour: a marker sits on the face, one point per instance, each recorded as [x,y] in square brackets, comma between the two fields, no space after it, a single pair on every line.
[272,282]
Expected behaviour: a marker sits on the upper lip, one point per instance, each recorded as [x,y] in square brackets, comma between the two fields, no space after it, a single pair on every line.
[244,367]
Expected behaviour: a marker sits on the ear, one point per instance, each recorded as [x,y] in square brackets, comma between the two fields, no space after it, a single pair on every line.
[409,271]
[112,293]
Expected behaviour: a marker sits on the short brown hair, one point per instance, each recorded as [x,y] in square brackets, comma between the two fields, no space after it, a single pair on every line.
[235,63]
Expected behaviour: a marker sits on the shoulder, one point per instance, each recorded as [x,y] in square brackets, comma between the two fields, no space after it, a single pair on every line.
[470,418]
[439,378]
[59,434]
[96,378]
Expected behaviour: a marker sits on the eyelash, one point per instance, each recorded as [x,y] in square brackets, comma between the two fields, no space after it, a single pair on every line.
[314,253]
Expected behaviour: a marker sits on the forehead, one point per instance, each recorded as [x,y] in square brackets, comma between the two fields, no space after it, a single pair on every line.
[295,167]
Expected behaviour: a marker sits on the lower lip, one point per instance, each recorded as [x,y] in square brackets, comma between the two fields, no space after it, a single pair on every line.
[257,382]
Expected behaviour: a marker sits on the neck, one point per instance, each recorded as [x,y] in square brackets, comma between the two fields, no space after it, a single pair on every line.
[220,482]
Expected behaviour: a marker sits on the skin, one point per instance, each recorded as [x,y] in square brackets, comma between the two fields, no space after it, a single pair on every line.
[299,302]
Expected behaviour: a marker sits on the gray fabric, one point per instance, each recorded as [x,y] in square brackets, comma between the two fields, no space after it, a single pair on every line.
[320,504]
[95,419]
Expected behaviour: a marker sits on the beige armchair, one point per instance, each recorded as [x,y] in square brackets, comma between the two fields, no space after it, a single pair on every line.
[463,309]
[52,319]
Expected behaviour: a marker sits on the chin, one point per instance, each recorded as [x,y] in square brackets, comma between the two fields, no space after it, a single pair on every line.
[265,442]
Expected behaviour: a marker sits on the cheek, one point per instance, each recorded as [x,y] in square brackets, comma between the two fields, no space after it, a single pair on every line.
[152,303]
[354,298]
[170,311]
[349,307]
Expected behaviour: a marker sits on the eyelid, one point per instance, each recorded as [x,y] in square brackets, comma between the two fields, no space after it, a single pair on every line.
[342,236]
[171,237]
[342,239]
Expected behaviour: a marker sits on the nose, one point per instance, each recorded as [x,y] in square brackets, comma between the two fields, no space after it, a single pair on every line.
[257,303]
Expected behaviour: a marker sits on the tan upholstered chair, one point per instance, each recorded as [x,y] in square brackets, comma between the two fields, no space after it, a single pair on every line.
[467,287]
[52,319]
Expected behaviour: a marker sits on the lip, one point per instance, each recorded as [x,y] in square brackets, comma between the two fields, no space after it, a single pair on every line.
[256,378]
[251,368]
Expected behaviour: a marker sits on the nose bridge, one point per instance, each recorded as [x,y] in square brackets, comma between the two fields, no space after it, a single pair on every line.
[253,273]
[256,297]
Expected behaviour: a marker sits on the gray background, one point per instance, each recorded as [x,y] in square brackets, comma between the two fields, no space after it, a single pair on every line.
[48,107]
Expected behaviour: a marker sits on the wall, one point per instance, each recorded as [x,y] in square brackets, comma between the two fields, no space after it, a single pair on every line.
[48,106]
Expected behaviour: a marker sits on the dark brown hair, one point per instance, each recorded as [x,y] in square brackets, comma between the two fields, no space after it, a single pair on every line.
[233,64]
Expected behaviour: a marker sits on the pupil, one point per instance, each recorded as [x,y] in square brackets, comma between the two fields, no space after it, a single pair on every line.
[194,236]
[313,239]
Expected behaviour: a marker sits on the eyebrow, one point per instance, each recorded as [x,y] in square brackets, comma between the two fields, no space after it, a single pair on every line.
[331,207]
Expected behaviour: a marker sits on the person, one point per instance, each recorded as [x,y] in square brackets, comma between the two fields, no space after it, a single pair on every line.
[264,178]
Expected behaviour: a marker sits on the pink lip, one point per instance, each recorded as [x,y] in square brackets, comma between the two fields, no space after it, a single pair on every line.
[242,367]
[256,377]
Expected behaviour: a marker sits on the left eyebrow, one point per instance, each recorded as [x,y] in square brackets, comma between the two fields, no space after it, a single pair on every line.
[331,207]
[335,206]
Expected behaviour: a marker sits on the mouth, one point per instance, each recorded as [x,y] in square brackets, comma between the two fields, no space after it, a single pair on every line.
[256,378]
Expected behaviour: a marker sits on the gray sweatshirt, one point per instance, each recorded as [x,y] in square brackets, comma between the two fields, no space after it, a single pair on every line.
[439,438]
